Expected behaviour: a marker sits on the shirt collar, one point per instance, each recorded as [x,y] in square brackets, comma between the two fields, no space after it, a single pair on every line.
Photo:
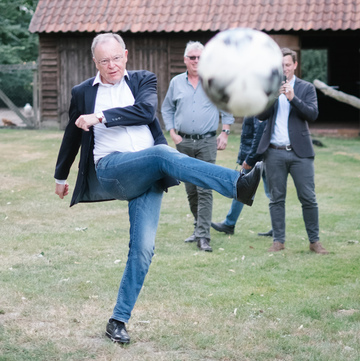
[97,79]
[292,81]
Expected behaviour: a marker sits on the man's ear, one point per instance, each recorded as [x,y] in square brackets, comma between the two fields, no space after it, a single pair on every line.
[96,64]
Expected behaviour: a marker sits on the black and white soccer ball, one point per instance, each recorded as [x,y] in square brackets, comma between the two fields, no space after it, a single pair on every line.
[241,71]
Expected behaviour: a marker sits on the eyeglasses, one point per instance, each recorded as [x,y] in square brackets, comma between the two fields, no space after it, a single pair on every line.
[192,58]
[115,59]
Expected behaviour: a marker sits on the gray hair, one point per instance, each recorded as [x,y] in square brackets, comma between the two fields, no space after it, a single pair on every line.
[102,38]
[193,45]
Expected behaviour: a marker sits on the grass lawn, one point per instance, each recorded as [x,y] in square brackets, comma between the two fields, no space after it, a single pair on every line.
[61,267]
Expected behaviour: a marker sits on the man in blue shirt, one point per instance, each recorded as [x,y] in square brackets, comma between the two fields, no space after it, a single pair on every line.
[192,121]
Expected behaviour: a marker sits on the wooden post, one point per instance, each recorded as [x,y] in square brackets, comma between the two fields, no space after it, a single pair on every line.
[36,99]
[336,94]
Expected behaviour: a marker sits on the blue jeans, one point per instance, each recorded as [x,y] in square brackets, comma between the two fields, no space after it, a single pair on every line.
[236,206]
[133,176]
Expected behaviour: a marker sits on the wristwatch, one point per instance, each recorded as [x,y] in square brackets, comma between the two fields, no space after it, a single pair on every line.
[226,131]
[100,116]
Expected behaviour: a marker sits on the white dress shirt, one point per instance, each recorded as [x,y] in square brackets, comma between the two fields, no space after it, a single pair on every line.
[118,138]
[280,136]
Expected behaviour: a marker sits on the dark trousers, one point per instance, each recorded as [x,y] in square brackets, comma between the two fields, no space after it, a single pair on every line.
[200,199]
[280,163]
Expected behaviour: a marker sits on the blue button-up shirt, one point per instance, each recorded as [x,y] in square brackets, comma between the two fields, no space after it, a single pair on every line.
[189,110]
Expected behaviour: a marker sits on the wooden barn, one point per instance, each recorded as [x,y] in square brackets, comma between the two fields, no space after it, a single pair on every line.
[156,32]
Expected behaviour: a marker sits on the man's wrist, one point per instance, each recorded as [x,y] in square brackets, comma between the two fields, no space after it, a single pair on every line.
[101,117]
[226,131]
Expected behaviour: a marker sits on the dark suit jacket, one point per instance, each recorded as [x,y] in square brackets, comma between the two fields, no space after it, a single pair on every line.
[252,130]
[303,108]
[143,85]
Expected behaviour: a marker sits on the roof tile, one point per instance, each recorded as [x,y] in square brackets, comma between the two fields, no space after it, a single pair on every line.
[193,15]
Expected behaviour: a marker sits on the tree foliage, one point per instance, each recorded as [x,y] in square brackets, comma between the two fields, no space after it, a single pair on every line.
[314,64]
[17,46]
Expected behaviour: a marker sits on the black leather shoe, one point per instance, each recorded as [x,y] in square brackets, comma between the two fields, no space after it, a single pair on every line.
[247,184]
[116,331]
[221,227]
[190,239]
[266,234]
[203,245]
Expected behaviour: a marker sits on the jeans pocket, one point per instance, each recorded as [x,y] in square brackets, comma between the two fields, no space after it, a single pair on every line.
[114,188]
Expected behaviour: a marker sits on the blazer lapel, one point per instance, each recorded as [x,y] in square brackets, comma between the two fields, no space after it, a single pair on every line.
[276,106]
[90,95]
[296,84]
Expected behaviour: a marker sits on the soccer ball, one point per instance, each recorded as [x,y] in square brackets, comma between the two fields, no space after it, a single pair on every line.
[241,71]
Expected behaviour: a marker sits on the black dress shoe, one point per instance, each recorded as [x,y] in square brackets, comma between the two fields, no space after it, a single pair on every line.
[221,227]
[190,239]
[203,245]
[266,234]
[247,184]
[116,331]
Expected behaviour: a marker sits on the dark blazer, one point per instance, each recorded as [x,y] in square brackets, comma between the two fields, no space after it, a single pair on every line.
[252,130]
[143,85]
[303,108]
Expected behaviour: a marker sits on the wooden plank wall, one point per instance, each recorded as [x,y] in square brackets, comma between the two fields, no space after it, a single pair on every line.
[149,53]
[162,54]
[66,60]
[48,78]
[76,65]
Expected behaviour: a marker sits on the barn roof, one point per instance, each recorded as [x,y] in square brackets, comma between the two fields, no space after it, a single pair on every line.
[193,15]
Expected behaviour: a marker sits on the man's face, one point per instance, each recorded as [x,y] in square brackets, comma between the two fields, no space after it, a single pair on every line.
[192,65]
[289,67]
[110,59]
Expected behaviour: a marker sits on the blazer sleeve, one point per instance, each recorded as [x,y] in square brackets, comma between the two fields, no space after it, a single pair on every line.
[305,101]
[168,107]
[143,85]
[267,113]
[71,141]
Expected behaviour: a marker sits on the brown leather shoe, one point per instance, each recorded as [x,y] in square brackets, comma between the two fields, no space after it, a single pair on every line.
[318,248]
[276,247]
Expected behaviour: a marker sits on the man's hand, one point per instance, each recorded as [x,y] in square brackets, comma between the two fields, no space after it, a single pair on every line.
[61,190]
[287,90]
[245,165]
[86,121]
[222,140]
[175,137]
